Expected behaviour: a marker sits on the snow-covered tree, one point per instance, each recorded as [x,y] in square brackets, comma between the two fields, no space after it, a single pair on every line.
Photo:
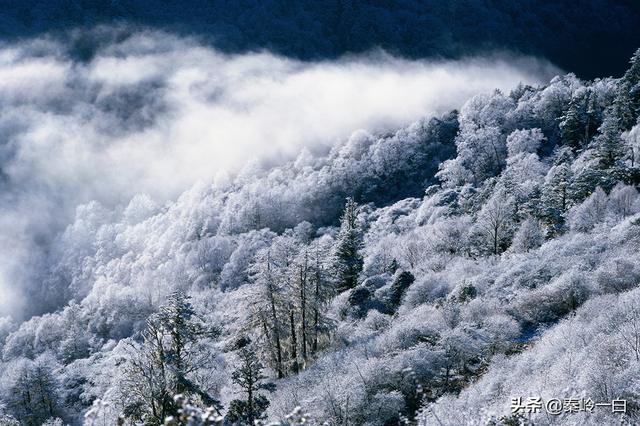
[592,211]
[249,377]
[33,395]
[556,196]
[608,144]
[495,223]
[524,141]
[529,236]
[624,201]
[165,363]
[631,85]
[632,139]
[348,259]
[268,307]
[573,124]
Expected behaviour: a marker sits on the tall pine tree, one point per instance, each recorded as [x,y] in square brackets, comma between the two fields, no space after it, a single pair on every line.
[608,144]
[556,193]
[591,116]
[347,258]
[572,125]
[163,366]
[632,79]
[268,307]
[623,106]
[249,377]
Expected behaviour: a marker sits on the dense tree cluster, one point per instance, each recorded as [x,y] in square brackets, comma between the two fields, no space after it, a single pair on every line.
[426,272]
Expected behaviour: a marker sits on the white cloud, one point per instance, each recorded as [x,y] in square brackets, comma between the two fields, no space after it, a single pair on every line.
[156,113]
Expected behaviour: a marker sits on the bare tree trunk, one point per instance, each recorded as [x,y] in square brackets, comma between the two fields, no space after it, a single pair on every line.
[276,325]
[316,326]
[276,334]
[294,342]
[303,308]
[250,397]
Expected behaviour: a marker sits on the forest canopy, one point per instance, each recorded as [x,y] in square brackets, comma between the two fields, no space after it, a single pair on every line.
[335,213]
[431,272]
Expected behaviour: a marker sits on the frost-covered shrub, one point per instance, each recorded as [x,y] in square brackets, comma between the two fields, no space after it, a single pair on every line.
[555,300]
[603,364]
[6,327]
[502,330]
[592,211]
[624,201]
[387,405]
[376,282]
[421,324]
[526,141]
[36,336]
[426,290]
[376,321]
[451,235]
[528,236]
[618,275]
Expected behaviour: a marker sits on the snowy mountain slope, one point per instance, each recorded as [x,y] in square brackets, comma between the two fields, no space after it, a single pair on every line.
[486,254]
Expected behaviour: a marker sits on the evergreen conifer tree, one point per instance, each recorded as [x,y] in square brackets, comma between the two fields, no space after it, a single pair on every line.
[632,79]
[572,125]
[555,197]
[348,260]
[250,378]
[608,144]
[163,365]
